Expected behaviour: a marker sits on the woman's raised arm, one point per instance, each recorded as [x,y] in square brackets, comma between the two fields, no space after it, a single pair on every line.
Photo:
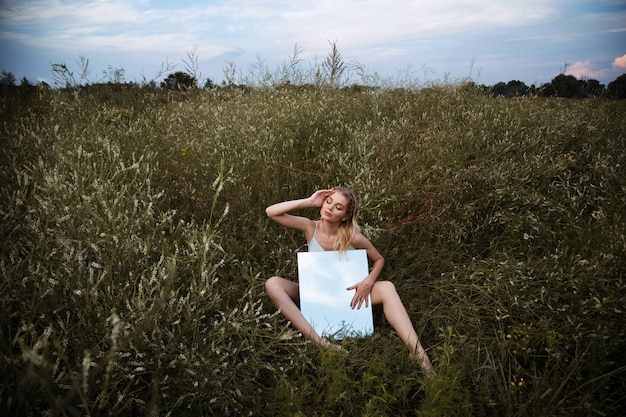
[279,212]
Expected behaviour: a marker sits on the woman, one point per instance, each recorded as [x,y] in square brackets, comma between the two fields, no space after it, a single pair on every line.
[337,230]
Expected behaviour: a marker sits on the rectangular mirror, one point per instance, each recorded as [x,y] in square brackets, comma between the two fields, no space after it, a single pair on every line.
[324,300]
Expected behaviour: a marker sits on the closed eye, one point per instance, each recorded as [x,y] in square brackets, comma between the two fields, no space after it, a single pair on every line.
[338,206]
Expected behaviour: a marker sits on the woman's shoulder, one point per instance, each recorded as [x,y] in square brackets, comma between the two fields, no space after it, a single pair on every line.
[359,241]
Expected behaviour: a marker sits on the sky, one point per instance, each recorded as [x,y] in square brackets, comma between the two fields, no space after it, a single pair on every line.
[487,41]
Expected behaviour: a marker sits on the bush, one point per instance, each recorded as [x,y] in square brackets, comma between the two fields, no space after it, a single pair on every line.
[617,88]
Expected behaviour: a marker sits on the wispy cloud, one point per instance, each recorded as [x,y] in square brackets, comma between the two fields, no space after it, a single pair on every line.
[107,24]
[368,23]
[62,24]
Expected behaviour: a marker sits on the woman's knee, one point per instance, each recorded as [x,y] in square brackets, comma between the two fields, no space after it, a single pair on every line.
[272,284]
[278,287]
[387,287]
[383,291]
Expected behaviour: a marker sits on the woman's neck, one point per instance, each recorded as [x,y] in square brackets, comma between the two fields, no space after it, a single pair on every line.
[328,229]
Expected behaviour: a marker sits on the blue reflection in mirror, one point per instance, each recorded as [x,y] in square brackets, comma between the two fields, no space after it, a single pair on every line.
[324,300]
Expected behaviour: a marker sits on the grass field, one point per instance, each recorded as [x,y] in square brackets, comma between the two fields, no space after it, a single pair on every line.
[135,248]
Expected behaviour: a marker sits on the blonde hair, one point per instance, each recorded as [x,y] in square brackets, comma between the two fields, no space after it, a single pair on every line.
[349,226]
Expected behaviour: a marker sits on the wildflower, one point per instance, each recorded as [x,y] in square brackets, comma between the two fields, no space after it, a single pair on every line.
[517,383]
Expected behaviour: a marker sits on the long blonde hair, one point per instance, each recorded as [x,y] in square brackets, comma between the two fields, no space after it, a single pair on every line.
[349,226]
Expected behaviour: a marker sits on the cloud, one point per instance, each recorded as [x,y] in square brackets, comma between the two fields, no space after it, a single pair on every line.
[620,63]
[95,25]
[153,25]
[585,70]
[371,23]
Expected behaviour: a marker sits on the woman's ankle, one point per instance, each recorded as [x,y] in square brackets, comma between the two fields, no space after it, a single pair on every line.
[424,361]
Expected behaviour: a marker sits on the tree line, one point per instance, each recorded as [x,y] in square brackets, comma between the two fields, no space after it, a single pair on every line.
[562,85]
[565,86]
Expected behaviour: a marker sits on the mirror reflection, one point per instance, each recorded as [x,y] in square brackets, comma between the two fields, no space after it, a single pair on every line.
[324,300]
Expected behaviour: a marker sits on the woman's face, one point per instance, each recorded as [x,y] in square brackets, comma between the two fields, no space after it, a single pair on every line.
[335,208]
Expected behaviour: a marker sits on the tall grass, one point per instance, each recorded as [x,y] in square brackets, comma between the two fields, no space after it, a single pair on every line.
[135,249]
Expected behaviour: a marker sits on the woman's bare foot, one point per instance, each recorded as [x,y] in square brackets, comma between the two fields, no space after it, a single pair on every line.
[331,347]
[424,362]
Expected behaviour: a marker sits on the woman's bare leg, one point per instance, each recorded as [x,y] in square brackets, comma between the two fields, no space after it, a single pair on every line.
[285,296]
[384,292]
